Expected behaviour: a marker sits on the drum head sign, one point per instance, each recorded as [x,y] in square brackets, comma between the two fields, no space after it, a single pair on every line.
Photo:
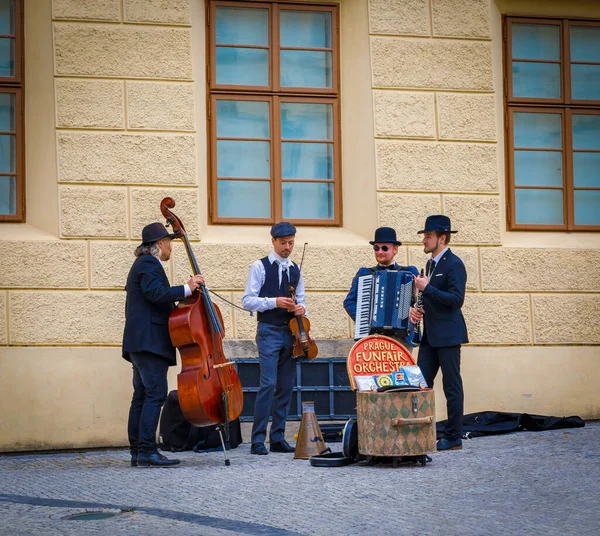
[376,354]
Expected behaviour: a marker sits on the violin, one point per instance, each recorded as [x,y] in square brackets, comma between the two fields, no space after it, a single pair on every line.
[209,389]
[304,345]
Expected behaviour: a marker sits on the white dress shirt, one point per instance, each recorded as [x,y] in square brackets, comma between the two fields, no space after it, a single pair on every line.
[256,279]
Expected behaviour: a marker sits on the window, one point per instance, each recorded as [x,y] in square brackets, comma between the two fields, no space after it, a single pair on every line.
[12,180]
[274,113]
[553,122]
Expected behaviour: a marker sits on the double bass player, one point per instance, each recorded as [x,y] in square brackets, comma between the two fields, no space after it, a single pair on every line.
[147,343]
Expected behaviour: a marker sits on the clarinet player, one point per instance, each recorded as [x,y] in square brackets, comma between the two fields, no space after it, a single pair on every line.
[444,329]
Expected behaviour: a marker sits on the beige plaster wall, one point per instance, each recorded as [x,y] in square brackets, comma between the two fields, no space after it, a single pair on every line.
[81,395]
[115,119]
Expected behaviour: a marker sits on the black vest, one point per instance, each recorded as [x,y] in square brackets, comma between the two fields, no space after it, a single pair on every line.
[270,289]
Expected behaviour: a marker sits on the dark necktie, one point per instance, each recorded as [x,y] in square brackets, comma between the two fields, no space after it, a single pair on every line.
[430,267]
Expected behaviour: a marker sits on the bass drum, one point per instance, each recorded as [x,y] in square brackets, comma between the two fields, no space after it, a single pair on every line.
[349,452]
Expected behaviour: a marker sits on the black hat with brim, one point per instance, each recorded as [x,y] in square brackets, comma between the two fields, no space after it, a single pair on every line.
[155,232]
[385,235]
[437,223]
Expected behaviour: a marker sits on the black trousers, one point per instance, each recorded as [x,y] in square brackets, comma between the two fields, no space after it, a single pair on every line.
[448,358]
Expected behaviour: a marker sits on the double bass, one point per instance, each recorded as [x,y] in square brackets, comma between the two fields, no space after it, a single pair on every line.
[209,388]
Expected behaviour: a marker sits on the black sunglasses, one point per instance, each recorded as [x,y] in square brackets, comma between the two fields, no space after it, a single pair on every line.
[377,248]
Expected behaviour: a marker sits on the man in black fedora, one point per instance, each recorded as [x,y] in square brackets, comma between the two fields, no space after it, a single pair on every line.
[147,343]
[385,247]
[444,328]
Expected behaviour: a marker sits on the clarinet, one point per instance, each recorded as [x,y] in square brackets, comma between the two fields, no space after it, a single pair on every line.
[414,331]
[419,307]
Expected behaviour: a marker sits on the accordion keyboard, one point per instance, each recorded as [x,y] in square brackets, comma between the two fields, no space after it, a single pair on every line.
[363,306]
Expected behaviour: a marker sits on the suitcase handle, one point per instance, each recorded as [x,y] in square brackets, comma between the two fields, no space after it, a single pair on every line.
[416,420]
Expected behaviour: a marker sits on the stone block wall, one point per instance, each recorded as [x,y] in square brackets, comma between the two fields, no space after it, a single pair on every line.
[437,151]
[127,135]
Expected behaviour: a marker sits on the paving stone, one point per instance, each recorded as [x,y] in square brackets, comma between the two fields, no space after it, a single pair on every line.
[521,484]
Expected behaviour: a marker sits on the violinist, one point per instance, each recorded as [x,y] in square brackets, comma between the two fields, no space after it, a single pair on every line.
[385,248]
[146,341]
[267,291]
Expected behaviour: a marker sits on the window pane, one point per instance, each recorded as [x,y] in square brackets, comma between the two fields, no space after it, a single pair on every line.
[7,112]
[7,57]
[7,17]
[242,26]
[585,43]
[538,131]
[585,82]
[543,207]
[249,159]
[307,160]
[536,41]
[305,200]
[8,154]
[242,66]
[536,80]
[244,199]
[242,119]
[305,68]
[8,195]
[305,29]
[306,121]
[586,170]
[586,131]
[537,168]
[587,207]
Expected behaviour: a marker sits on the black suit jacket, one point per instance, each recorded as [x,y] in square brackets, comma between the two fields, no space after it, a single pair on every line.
[442,299]
[150,300]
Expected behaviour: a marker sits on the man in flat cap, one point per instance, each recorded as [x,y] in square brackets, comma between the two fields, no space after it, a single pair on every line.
[147,343]
[444,328]
[267,291]
[385,248]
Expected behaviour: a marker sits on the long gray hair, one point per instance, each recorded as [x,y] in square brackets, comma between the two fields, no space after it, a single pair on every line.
[148,249]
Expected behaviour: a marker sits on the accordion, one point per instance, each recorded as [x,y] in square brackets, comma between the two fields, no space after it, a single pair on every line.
[383,301]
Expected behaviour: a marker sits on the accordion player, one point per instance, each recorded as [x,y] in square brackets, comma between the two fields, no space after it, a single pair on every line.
[383,302]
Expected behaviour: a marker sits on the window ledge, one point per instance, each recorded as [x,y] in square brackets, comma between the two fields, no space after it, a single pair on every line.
[23,231]
[259,234]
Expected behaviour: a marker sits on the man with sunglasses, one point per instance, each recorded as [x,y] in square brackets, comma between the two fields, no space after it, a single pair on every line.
[385,246]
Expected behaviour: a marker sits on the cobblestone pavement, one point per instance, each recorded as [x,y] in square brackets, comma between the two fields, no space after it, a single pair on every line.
[524,483]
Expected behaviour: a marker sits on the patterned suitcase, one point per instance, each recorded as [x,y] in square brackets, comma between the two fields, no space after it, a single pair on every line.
[396,423]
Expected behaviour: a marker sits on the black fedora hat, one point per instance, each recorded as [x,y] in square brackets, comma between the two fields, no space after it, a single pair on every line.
[439,223]
[155,232]
[385,235]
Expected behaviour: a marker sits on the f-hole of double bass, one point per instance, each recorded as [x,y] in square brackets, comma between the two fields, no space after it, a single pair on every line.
[206,375]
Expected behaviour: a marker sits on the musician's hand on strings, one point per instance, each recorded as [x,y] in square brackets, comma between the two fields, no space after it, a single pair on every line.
[195,282]
[415,315]
[286,303]
[421,281]
[299,310]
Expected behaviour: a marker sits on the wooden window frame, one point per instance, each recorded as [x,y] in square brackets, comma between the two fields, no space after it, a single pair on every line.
[565,105]
[275,94]
[15,85]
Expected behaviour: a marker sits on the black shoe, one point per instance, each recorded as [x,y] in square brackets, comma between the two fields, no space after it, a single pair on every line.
[258,448]
[449,444]
[134,458]
[281,446]
[155,459]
